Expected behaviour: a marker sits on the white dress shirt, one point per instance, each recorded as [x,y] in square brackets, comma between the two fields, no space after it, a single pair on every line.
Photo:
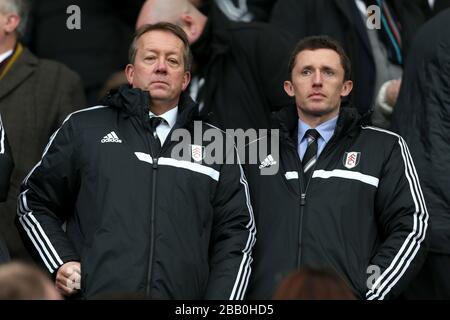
[164,128]
[5,55]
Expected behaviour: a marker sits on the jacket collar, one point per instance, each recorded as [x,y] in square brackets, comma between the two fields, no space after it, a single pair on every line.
[21,69]
[135,102]
[286,120]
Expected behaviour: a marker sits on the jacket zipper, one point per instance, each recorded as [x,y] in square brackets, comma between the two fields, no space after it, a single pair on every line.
[155,158]
[303,197]
[302,202]
[300,229]
[153,213]
[152,226]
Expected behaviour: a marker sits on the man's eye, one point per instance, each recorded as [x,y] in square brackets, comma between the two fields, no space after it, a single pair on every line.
[306,72]
[173,61]
[150,58]
[329,72]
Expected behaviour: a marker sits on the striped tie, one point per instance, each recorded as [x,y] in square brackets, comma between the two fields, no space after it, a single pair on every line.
[310,157]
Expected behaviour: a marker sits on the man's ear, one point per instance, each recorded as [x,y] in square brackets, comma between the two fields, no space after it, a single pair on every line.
[190,27]
[289,88]
[129,72]
[346,88]
[186,80]
[12,22]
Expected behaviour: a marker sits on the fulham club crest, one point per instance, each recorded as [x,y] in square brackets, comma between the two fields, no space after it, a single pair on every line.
[351,159]
[197,152]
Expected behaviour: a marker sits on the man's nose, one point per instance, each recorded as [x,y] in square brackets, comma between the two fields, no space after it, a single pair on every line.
[161,65]
[317,78]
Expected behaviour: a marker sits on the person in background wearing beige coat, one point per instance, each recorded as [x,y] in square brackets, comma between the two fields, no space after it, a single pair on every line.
[35,96]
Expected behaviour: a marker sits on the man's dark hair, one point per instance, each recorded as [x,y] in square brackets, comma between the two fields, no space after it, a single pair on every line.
[311,283]
[23,281]
[321,42]
[163,26]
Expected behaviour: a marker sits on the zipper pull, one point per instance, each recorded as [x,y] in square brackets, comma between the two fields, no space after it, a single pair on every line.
[155,163]
[303,199]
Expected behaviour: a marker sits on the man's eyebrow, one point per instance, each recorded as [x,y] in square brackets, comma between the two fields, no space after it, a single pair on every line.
[325,67]
[157,51]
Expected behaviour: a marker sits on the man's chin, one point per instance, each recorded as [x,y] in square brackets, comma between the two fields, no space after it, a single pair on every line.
[159,94]
[318,109]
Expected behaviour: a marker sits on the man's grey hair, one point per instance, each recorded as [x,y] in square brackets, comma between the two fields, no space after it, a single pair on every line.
[18,7]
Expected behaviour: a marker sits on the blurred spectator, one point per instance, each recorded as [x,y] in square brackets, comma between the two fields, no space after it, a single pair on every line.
[422,117]
[433,7]
[246,10]
[19,281]
[377,55]
[238,67]
[95,51]
[35,95]
[239,10]
[313,284]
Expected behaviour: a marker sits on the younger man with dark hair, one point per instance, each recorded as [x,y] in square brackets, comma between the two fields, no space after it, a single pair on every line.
[346,196]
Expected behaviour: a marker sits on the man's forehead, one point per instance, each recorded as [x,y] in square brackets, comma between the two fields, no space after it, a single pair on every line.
[160,39]
[326,57]
[163,36]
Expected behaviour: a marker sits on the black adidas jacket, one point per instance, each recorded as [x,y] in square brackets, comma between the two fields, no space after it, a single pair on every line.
[138,222]
[351,219]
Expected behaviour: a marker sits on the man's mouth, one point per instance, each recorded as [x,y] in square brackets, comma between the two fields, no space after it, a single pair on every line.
[159,82]
[316,95]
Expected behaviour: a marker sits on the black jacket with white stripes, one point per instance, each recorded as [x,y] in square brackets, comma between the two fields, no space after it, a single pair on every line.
[138,222]
[362,214]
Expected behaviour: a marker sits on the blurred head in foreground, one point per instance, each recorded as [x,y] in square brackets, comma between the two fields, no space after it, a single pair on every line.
[313,284]
[20,281]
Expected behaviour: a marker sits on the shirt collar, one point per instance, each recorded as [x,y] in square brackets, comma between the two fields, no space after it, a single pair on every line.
[170,116]
[5,55]
[325,129]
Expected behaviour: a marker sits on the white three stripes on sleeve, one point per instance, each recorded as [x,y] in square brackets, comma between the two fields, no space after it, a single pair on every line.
[243,276]
[411,245]
[31,225]
[37,236]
